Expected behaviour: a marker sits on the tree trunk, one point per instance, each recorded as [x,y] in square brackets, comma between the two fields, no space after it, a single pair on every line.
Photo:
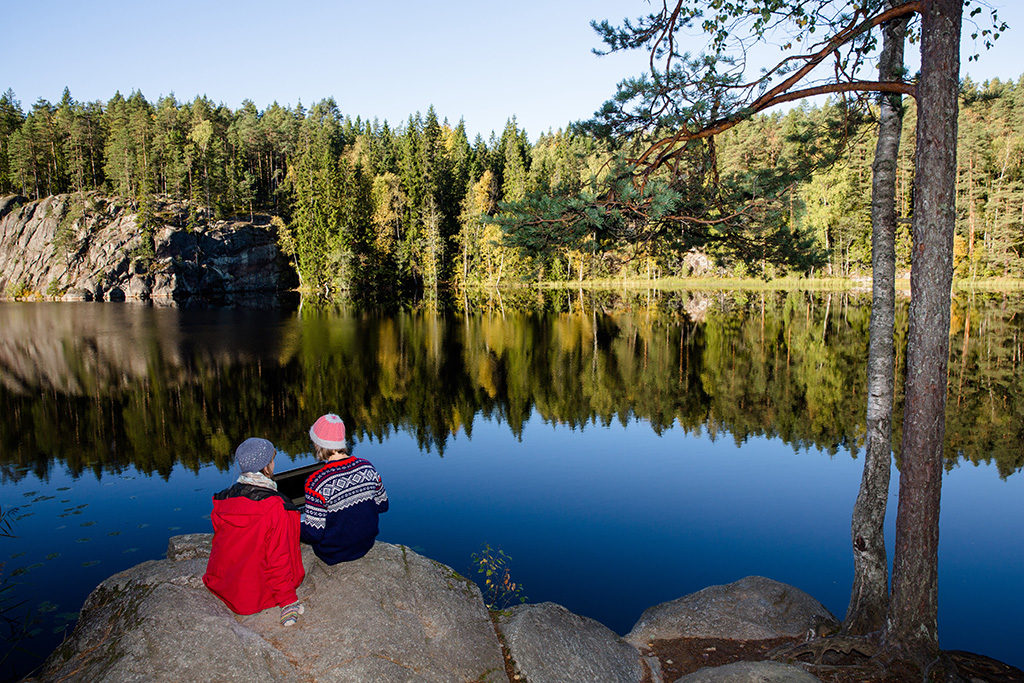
[912,622]
[971,220]
[869,597]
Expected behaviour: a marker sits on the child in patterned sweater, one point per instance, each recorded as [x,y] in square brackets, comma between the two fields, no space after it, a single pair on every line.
[343,498]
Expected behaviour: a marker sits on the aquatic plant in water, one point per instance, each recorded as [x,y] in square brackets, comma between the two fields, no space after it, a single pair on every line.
[17,627]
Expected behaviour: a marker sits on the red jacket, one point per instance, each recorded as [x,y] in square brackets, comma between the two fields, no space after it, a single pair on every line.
[255,562]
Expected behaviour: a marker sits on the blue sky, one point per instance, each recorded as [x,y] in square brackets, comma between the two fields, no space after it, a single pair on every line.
[479,60]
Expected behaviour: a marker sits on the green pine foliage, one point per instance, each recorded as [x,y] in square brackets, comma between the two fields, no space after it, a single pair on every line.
[367,205]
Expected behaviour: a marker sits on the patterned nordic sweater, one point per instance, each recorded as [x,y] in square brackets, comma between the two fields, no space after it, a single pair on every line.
[343,500]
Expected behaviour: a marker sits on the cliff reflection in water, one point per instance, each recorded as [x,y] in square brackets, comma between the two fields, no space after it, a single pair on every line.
[104,386]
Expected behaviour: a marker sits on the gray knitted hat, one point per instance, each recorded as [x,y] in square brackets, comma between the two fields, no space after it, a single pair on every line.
[253,454]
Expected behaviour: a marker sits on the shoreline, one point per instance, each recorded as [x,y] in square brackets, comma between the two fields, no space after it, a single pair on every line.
[857,285]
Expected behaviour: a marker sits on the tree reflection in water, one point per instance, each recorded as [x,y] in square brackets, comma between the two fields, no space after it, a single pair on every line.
[151,387]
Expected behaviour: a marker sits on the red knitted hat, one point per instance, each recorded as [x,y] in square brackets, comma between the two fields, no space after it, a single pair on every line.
[328,432]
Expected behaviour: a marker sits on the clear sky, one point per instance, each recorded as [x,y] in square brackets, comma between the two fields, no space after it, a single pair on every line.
[482,61]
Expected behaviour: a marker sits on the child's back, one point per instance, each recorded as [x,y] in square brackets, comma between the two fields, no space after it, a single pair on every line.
[255,562]
[343,498]
[343,501]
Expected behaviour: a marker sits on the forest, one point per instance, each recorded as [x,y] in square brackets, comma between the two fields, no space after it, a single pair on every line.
[364,203]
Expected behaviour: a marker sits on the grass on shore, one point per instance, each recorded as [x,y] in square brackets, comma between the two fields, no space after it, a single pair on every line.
[994,284]
[677,283]
[1003,284]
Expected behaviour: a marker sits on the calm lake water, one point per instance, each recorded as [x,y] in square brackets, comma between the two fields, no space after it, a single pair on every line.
[624,450]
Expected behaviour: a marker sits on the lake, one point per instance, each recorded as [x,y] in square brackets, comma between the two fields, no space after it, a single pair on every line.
[623,449]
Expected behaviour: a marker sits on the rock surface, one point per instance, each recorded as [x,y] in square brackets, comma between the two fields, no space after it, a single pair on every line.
[393,615]
[751,672]
[189,546]
[753,608]
[73,248]
[549,643]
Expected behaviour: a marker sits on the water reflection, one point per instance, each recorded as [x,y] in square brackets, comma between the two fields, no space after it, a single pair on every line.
[105,386]
[128,392]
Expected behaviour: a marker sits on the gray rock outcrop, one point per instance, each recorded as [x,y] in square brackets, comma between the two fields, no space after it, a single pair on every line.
[549,643]
[753,608]
[91,248]
[393,615]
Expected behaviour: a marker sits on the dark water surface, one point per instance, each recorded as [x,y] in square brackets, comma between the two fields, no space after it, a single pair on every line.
[623,450]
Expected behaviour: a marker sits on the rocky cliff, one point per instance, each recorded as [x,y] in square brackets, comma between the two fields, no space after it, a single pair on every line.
[395,615]
[92,248]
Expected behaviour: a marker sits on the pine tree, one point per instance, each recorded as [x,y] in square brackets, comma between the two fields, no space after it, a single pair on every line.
[35,154]
[317,206]
[118,154]
[11,119]
[697,100]
[170,134]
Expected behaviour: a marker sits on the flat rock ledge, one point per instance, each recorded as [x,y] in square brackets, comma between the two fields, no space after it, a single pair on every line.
[393,615]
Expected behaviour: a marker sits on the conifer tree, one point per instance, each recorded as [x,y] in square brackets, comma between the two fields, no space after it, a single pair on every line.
[514,176]
[694,99]
[317,208]
[36,155]
[83,146]
[118,155]
[389,201]
[244,150]
[140,132]
[168,148]
[11,118]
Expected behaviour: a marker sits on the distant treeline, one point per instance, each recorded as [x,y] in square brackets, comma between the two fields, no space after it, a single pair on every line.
[365,202]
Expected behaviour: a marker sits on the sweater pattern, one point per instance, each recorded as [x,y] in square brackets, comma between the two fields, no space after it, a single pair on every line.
[340,485]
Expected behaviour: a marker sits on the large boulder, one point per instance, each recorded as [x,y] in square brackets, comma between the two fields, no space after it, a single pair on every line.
[77,294]
[547,642]
[189,546]
[156,621]
[10,202]
[392,615]
[753,608]
[138,287]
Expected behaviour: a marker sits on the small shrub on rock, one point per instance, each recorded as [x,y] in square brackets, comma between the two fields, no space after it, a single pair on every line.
[500,591]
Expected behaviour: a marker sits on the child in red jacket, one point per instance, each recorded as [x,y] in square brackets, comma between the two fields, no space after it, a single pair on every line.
[255,562]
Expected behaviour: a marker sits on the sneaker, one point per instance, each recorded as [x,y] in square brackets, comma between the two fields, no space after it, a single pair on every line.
[290,613]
